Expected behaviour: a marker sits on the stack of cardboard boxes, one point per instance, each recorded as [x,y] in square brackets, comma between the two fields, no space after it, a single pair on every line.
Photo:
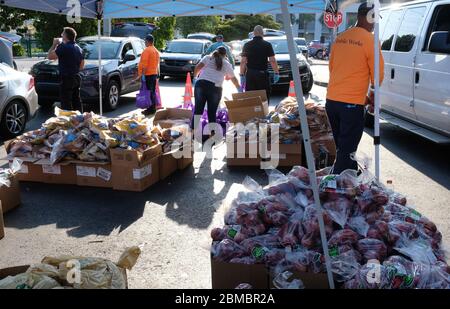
[9,199]
[129,170]
[241,152]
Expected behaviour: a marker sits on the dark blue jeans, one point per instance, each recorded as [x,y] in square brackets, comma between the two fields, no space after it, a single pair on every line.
[206,93]
[150,82]
[347,123]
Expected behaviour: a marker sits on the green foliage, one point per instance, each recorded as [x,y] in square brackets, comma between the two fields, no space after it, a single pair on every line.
[165,31]
[239,27]
[18,50]
[50,26]
[12,18]
[193,24]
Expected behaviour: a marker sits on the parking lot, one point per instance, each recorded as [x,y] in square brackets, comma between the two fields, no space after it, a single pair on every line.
[171,220]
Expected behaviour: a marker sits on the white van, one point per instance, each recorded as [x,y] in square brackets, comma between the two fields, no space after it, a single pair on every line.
[415,41]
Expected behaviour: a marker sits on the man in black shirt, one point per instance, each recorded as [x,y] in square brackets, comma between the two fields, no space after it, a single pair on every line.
[70,62]
[255,56]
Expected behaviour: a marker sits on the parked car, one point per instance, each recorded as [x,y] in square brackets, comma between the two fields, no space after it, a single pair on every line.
[6,44]
[301,43]
[268,33]
[120,59]
[201,36]
[316,48]
[236,50]
[281,50]
[181,56]
[130,29]
[18,100]
[415,42]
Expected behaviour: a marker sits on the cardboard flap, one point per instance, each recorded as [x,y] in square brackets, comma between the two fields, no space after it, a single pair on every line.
[241,110]
[163,116]
[251,94]
[125,157]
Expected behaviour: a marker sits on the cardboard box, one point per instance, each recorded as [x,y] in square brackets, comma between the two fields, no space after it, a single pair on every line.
[247,105]
[240,156]
[310,280]
[10,196]
[288,155]
[61,173]
[29,170]
[94,174]
[229,275]
[2,224]
[137,171]
[164,117]
[324,150]
[185,162]
[226,275]
[168,165]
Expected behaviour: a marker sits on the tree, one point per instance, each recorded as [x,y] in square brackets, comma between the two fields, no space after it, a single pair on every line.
[193,24]
[165,31]
[49,26]
[12,18]
[239,27]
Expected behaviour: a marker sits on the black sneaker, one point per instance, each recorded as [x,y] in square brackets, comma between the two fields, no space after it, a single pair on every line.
[149,111]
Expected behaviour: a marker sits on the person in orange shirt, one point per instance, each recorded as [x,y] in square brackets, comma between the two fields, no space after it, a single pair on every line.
[148,71]
[351,69]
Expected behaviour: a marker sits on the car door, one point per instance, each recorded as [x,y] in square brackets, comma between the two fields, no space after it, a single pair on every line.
[139,46]
[432,74]
[3,87]
[127,68]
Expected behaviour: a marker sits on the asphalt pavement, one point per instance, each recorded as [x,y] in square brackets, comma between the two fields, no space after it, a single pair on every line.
[171,220]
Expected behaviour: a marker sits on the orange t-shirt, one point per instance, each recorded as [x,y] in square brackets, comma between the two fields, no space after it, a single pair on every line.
[352,66]
[149,61]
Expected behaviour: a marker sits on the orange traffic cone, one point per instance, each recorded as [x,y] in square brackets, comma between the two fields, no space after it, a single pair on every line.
[291,89]
[188,86]
[187,99]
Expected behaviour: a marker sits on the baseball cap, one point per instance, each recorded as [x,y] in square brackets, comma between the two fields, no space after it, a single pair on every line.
[219,36]
[365,8]
[149,38]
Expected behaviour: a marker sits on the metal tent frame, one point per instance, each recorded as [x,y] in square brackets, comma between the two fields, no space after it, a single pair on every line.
[145,8]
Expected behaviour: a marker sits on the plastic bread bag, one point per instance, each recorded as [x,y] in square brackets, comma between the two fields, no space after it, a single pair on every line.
[6,174]
[372,275]
[129,257]
[283,281]
[28,281]
[344,266]
[65,113]
[372,249]
[338,210]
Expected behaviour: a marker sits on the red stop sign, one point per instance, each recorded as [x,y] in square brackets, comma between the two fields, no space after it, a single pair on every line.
[331,20]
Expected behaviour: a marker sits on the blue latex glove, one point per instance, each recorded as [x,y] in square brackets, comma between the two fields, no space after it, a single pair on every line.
[276,78]
[194,81]
[143,78]
[242,80]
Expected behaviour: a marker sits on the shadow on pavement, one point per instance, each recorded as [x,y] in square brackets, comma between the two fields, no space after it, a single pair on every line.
[427,157]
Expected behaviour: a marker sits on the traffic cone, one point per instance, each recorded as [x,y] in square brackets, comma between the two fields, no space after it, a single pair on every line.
[188,86]
[291,89]
[187,99]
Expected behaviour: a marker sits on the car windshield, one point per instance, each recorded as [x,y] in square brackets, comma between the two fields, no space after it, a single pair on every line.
[301,42]
[90,49]
[184,47]
[281,47]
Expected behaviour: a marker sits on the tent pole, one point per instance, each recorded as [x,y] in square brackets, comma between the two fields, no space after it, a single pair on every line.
[376,135]
[306,135]
[100,84]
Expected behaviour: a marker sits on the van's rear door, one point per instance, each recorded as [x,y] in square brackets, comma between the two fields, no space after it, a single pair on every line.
[432,74]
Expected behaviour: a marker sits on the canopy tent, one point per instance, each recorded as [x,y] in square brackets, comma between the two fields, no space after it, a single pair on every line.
[151,8]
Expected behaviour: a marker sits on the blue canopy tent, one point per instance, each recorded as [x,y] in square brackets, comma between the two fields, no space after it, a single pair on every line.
[150,8]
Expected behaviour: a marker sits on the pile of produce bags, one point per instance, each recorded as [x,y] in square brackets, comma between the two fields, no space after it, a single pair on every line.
[366,226]
[61,273]
[84,137]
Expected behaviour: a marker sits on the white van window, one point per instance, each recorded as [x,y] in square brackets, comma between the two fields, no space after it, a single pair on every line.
[384,15]
[439,22]
[412,21]
[390,29]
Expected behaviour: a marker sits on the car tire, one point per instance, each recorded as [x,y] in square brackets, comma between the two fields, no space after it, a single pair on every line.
[45,103]
[112,96]
[369,119]
[307,87]
[14,119]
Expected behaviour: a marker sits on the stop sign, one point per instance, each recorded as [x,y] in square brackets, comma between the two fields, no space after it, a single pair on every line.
[332,20]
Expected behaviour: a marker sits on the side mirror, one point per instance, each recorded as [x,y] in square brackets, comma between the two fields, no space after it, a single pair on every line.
[129,57]
[439,42]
